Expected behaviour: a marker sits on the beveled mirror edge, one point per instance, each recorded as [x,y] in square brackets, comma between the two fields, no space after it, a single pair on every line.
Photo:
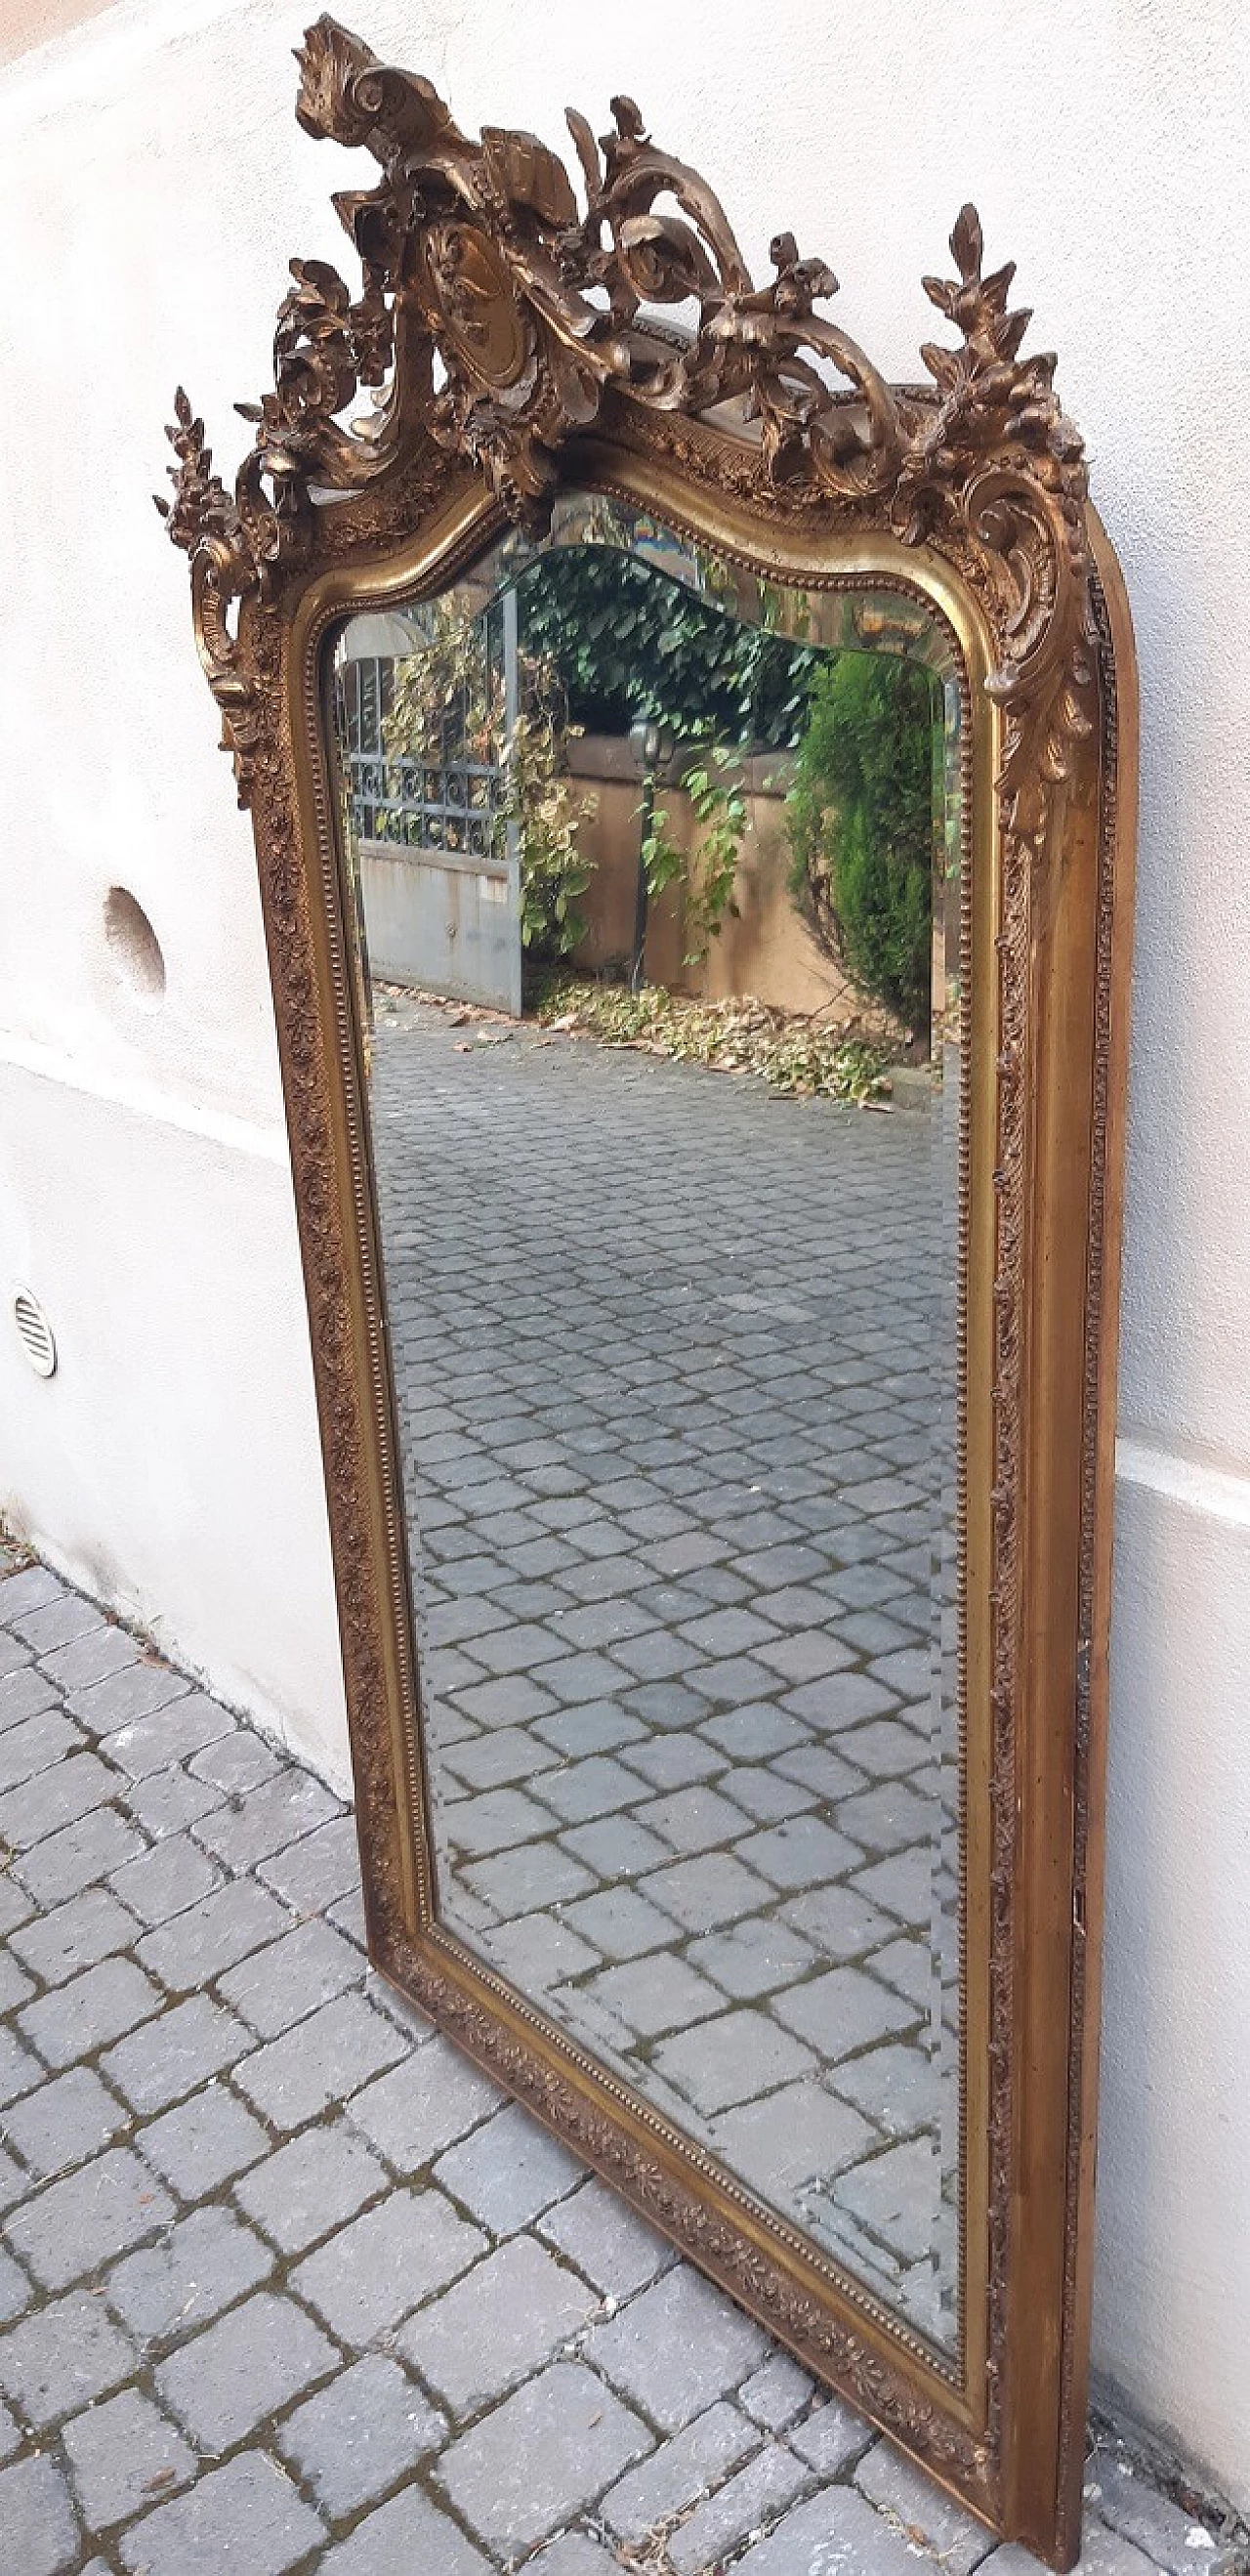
[986,477]
[562,2084]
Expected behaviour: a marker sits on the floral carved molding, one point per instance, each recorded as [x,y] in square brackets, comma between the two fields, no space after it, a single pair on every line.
[497,320]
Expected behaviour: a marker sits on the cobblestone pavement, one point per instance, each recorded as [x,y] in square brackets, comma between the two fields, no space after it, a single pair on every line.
[286,2284]
[675,1371]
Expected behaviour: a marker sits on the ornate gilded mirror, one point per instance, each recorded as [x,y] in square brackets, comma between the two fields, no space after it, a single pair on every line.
[693,789]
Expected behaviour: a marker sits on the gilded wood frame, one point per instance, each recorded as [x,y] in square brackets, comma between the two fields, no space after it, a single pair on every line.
[506,334]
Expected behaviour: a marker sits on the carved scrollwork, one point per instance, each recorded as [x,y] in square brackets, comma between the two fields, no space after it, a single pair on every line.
[495,315]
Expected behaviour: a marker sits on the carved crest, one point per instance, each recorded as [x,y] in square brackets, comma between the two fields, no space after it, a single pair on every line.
[497,317]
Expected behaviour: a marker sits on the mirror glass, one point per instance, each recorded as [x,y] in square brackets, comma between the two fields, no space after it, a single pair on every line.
[653,880]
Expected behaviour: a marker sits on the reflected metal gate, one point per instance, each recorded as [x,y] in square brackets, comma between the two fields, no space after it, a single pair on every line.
[439,861]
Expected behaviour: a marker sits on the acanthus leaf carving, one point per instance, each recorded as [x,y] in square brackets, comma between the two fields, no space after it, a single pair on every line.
[207,523]
[494,316]
[998,458]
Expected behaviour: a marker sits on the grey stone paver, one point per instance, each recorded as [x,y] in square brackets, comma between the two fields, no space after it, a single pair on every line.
[203,2142]
[212,1934]
[80,1855]
[91,1658]
[164,1881]
[756,2496]
[168,1801]
[678,2474]
[831,2438]
[15,1904]
[361,2435]
[574,2555]
[75,1935]
[12,2179]
[121,2456]
[424,2104]
[15,1985]
[418,2377]
[61,2358]
[1139,2514]
[60,1796]
[406,2534]
[73,2020]
[892,2483]
[169,2057]
[1107,2553]
[37,2518]
[835,2530]
[15,2289]
[58,1623]
[606,2239]
[313,2184]
[35,1746]
[243,2369]
[779,2391]
[506,2317]
[234,1763]
[24,1693]
[375,2269]
[275,1987]
[165,2291]
[323,2059]
[310,1873]
[19,2067]
[125,1696]
[27,1587]
[246,2514]
[508,2170]
[274,1814]
[88,2218]
[63,2122]
[677,2348]
[150,1743]
[541,2457]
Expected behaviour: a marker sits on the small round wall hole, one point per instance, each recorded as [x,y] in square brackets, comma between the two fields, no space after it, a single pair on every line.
[34,1332]
[133,944]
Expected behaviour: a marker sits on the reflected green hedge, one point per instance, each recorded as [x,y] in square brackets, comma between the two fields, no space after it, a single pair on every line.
[860,821]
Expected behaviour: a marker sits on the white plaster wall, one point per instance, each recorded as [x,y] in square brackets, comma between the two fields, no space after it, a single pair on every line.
[153,185]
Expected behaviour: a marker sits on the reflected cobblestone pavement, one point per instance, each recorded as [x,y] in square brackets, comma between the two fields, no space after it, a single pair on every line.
[671,1357]
[285,2283]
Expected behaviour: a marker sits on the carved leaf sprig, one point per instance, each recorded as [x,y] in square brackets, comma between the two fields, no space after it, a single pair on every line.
[201,506]
[998,455]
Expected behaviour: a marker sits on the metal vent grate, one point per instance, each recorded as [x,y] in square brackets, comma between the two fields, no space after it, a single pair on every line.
[34,1333]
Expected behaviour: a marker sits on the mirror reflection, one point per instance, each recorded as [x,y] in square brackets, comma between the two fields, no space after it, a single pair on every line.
[654,891]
